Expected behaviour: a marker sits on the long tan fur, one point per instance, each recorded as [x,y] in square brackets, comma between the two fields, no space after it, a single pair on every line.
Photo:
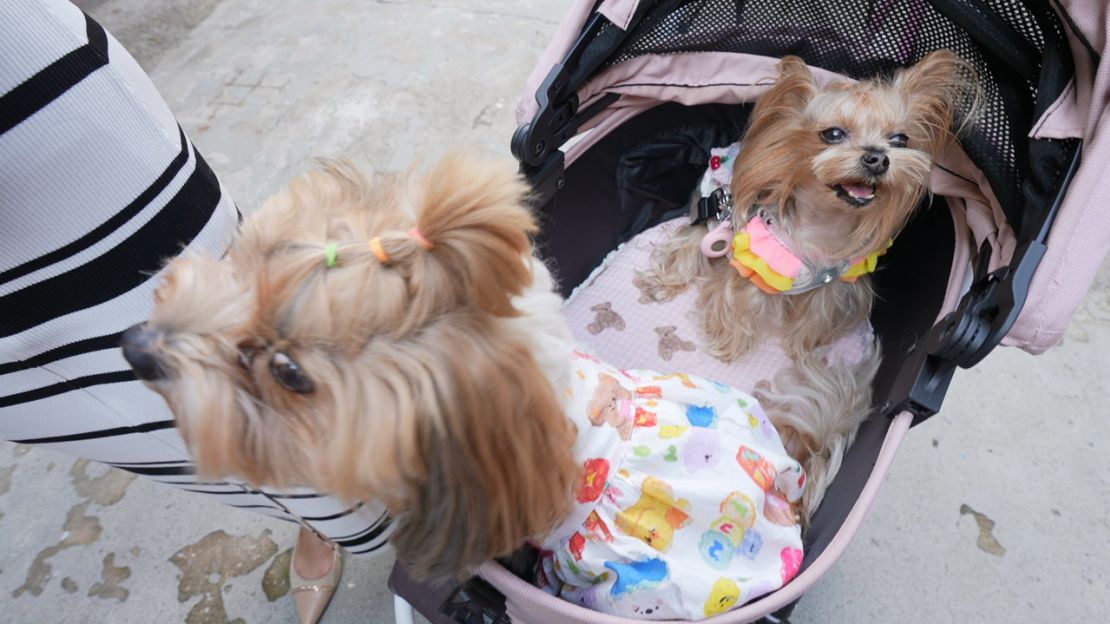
[430,393]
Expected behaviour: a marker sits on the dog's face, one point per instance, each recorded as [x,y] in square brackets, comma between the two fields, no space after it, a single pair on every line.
[858,148]
[857,152]
[340,348]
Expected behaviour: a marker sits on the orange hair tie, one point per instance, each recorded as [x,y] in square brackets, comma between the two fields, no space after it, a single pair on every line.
[376,249]
[418,236]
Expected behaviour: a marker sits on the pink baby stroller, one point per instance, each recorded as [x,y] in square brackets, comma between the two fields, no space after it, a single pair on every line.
[617,120]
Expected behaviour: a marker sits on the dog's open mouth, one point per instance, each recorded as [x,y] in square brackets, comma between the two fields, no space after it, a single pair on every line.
[856,194]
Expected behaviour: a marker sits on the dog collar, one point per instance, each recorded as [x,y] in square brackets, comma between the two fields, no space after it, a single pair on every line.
[757,251]
[767,261]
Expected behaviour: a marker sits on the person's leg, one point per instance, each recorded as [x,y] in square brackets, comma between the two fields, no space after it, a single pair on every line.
[98,186]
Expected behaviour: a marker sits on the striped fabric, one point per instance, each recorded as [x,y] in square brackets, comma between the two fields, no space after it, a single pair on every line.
[98,186]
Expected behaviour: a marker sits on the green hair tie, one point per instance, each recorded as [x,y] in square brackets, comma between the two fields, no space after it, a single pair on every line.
[331,254]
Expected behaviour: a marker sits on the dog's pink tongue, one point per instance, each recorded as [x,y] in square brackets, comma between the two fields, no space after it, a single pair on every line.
[859,190]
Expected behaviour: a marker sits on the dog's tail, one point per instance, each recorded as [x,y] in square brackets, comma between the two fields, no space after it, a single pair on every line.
[817,405]
[471,245]
[474,214]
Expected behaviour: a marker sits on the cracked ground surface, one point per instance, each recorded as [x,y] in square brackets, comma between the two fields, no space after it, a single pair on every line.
[992,512]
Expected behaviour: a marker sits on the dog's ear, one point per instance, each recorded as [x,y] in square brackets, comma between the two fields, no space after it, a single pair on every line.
[476,438]
[787,98]
[474,213]
[769,152]
[932,90]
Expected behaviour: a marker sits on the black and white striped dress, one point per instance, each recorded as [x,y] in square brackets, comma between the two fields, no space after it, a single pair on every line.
[98,187]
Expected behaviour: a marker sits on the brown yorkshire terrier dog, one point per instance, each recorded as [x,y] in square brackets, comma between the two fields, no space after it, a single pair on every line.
[378,371]
[837,171]
[397,340]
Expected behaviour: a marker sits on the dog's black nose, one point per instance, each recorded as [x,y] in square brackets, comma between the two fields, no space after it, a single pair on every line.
[137,342]
[875,162]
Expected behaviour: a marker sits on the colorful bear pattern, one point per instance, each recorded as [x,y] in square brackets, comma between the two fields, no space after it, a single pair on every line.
[685,506]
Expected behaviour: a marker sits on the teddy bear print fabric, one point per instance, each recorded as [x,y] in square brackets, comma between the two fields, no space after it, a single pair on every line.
[685,507]
[608,313]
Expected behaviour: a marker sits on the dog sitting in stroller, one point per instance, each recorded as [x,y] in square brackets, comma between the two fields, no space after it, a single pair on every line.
[824,180]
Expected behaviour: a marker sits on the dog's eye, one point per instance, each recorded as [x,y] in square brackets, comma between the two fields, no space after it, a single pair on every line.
[899,140]
[289,374]
[833,135]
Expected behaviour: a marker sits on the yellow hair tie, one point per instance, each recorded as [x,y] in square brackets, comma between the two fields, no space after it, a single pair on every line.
[418,236]
[376,249]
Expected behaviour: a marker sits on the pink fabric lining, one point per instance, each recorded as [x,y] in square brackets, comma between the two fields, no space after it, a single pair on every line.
[959,179]
[1080,236]
[619,11]
[648,81]
[694,78]
[569,30]
[1062,120]
[526,603]
[960,274]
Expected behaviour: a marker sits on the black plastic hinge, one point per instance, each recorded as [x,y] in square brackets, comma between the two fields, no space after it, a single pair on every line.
[985,315]
[966,335]
[716,205]
[552,124]
[557,103]
[535,144]
[551,127]
[970,332]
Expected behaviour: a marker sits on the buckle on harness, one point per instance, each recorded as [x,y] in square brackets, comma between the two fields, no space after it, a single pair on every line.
[717,205]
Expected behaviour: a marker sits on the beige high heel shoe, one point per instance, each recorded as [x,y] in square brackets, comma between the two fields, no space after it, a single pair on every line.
[312,596]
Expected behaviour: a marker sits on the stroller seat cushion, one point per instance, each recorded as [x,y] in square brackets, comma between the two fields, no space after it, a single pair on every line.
[627,330]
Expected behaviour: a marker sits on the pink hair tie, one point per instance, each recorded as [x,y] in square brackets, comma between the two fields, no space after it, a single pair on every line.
[420,239]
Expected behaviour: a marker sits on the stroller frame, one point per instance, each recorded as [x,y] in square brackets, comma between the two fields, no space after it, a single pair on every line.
[961,339]
[918,368]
